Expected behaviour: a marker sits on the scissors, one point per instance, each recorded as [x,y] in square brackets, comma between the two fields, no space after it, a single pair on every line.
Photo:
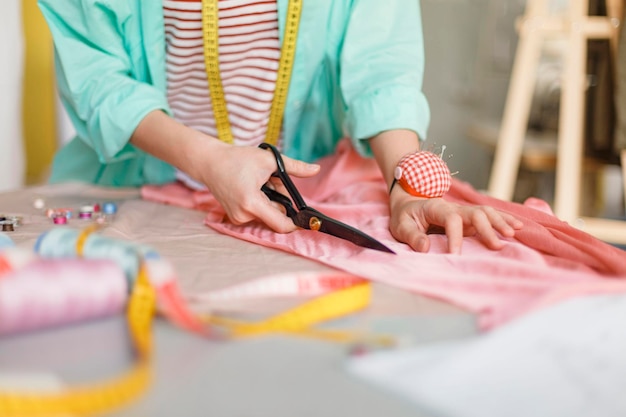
[307,217]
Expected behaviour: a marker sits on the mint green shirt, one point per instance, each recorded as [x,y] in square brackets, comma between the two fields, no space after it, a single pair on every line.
[357,72]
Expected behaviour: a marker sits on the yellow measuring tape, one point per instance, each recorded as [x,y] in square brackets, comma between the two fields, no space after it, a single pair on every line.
[327,307]
[299,320]
[109,395]
[115,393]
[210,26]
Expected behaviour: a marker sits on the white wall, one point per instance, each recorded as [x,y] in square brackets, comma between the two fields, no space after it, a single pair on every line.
[12,164]
[470,45]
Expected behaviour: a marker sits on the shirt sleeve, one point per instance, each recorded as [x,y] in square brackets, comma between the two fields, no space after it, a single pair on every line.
[104,89]
[382,66]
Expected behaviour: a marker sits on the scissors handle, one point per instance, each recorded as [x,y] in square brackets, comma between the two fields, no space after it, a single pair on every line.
[284,177]
[282,200]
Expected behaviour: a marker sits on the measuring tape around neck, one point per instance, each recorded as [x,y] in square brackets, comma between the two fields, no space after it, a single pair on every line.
[210,26]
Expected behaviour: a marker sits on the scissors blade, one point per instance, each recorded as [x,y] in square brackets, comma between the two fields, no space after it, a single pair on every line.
[306,219]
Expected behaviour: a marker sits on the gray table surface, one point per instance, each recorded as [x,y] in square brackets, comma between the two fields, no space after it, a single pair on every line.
[273,375]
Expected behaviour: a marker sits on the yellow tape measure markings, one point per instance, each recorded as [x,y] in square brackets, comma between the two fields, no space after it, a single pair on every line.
[210,26]
[106,396]
[285,67]
[326,307]
[117,392]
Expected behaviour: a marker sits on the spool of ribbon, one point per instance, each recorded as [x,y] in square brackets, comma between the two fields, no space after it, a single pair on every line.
[109,395]
[52,292]
[67,242]
[5,241]
[73,243]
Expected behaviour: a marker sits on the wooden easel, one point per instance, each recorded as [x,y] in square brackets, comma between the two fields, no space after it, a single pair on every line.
[577,26]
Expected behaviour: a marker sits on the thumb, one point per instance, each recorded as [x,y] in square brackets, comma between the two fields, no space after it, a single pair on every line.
[300,168]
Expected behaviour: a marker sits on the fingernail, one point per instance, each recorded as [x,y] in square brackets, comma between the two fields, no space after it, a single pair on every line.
[312,167]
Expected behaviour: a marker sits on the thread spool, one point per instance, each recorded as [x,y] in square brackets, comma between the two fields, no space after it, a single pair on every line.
[5,241]
[52,292]
[51,212]
[7,226]
[61,243]
[59,218]
[109,208]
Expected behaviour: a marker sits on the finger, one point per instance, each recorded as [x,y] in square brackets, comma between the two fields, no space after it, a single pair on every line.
[273,215]
[300,168]
[513,221]
[279,207]
[484,226]
[454,232]
[408,231]
[262,209]
[277,185]
[504,223]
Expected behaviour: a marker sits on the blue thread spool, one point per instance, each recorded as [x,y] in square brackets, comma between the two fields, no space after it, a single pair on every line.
[5,241]
[61,243]
[109,208]
[108,211]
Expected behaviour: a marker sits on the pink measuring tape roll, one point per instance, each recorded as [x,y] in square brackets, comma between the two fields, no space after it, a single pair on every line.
[423,174]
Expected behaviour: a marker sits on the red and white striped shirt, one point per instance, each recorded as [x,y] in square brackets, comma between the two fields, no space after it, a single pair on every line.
[249,53]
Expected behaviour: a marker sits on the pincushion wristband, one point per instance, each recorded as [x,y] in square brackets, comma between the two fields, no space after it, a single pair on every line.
[422,174]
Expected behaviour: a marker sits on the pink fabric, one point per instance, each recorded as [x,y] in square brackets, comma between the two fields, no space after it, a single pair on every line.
[547,261]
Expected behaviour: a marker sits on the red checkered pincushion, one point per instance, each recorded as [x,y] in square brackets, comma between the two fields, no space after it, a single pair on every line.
[423,174]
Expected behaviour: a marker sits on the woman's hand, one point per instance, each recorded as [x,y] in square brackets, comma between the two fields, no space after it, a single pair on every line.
[235,174]
[412,217]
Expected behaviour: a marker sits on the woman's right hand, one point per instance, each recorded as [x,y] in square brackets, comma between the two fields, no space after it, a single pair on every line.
[235,175]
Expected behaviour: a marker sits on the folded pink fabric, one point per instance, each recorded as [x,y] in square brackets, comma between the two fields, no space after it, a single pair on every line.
[547,261]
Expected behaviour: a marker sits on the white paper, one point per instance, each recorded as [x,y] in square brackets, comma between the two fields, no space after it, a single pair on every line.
[568,360]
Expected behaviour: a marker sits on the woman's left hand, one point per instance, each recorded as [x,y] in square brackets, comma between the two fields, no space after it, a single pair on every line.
[412,217]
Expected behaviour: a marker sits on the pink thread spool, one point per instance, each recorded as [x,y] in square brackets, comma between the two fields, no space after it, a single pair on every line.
[67,212]
[59,218]
[52,292]
[86,212]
